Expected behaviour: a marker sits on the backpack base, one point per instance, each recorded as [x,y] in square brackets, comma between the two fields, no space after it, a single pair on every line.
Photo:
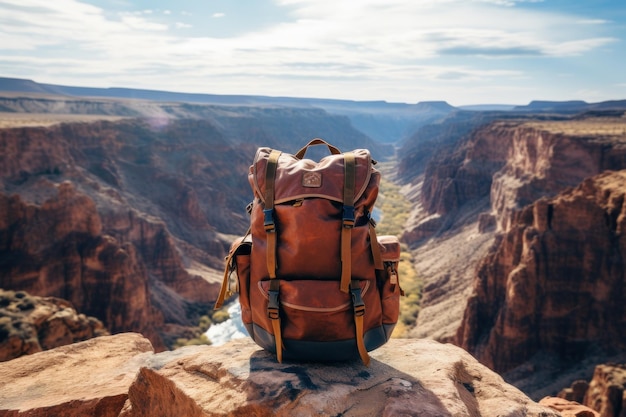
[315,351]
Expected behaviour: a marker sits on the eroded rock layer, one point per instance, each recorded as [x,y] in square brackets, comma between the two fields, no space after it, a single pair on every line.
[555,281]
[120,376]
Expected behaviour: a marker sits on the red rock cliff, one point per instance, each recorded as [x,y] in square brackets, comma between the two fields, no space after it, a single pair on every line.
[544,283]
[555,281]
[58,249]
[116,218]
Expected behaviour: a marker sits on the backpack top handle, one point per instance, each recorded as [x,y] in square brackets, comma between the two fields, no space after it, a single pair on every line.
[317,141]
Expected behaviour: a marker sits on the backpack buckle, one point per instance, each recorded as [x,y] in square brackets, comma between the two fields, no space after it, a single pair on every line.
[268,220]
[357,300]
[348,216]
[272,305]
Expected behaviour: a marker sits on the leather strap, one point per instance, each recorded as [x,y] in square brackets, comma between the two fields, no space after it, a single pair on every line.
[378,259]
[317,141]
[273,312]
[268,211]
[273,306]
[359,311]
[228,270]
[348,220]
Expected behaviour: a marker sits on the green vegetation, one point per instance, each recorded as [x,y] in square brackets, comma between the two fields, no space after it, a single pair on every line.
[201,339]
[14,309]
[198,336]
[395,210]
[220,316]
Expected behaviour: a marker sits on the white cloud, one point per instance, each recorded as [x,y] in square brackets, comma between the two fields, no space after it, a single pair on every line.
[381,45]
[140,23]
[592,22]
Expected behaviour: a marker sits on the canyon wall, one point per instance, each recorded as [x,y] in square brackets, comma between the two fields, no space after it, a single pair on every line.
[555,281]
[130,220]
[520,223]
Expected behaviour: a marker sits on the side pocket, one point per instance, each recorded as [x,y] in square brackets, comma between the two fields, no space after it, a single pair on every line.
[390,292]
[388,281]
[242,262]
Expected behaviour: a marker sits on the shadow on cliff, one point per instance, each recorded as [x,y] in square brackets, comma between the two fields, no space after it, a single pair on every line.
[343,389]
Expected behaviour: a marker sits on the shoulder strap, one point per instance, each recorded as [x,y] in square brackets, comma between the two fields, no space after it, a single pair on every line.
[268,211]
[348,220]
[273,307]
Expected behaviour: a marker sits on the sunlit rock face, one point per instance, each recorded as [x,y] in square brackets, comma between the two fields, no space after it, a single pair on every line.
[555,281]
[120,376]
[517,236]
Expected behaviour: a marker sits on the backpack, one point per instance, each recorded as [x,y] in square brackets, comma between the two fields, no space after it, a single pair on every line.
[311,284]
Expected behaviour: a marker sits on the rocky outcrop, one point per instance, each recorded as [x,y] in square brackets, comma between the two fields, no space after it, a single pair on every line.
[89,378]
[555,281]
[568,408]
[605,393]
[30,324]
[120,376]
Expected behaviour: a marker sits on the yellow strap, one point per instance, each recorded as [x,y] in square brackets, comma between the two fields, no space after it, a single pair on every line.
[346,267]
[278,338]
[378,259]
[271,254]
[359,312]
[349,185]
[360,343]
[273,312]
[228,269]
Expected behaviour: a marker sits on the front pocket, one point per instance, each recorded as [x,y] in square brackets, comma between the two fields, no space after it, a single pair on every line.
[315,310]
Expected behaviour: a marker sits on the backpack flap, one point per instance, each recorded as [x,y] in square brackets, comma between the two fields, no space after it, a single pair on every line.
[302,178]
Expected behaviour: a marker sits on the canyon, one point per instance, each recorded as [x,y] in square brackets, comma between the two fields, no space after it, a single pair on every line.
[126,209]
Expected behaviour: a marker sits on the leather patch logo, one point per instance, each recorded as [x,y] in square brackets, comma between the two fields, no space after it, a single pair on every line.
[312,179]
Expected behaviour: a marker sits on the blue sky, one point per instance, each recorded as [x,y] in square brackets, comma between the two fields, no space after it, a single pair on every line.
[461,51]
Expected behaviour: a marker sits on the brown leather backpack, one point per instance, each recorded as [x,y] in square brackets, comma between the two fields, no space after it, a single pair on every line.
[311,284]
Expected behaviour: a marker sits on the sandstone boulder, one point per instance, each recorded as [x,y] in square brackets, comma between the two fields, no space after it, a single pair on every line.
[568,408]
[89,378]
[120,376]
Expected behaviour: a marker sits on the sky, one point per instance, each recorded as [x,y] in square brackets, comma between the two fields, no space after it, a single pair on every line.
[461,51]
